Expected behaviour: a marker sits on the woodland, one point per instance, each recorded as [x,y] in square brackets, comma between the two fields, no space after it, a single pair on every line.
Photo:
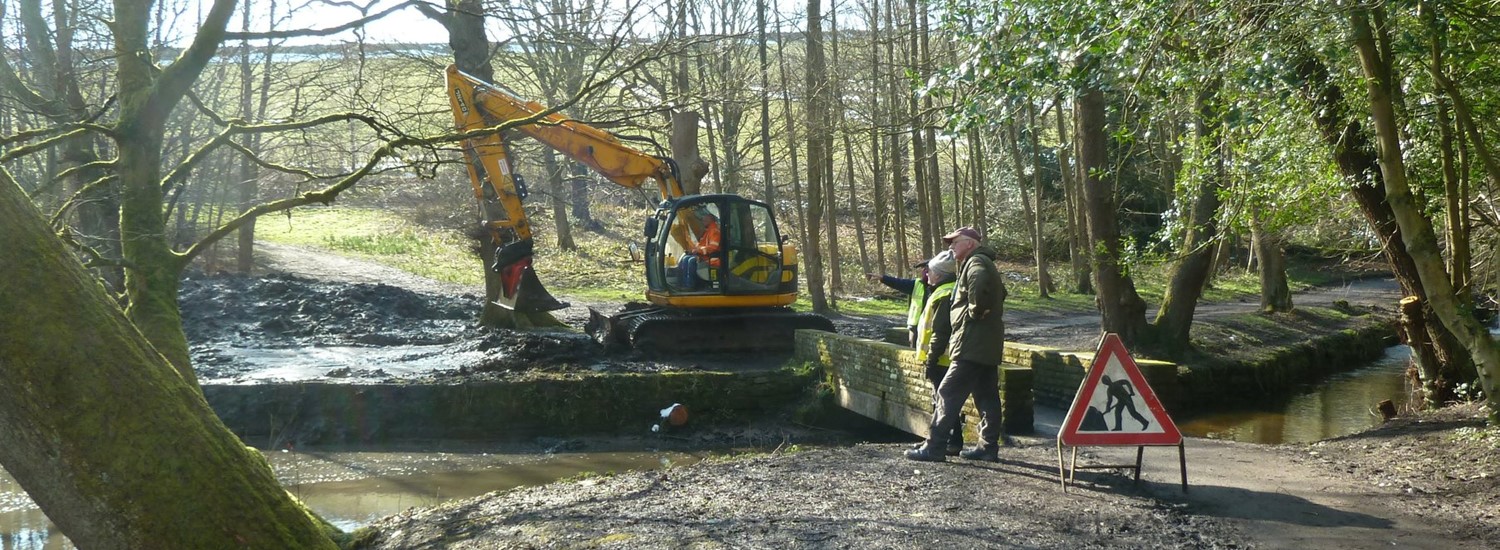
[1086,138]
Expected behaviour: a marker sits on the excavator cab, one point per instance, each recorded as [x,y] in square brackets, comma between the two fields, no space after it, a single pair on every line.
[717,251]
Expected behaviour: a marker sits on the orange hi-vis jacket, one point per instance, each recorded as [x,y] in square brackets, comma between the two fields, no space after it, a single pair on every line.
[708,244]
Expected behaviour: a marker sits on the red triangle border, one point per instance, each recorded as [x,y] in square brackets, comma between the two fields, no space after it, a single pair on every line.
[1069,434]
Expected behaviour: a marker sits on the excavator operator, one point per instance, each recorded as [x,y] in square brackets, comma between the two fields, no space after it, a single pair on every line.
[706,251]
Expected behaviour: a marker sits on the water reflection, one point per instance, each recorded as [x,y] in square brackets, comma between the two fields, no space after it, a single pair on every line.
[352,489]
[1340,405]
[353,503]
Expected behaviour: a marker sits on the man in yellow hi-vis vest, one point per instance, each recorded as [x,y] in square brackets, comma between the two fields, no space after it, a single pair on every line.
[916,289]
[934,327]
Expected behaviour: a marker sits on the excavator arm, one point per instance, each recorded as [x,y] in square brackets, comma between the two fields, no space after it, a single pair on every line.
[478,105]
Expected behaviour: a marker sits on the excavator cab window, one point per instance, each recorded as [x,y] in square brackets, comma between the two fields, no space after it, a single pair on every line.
[717,245]
[693,247]
[754,248]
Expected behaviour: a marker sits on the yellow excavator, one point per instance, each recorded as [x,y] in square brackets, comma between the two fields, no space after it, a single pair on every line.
[719,274]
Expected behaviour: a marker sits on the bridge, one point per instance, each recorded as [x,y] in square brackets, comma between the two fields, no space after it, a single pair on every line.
[885,382]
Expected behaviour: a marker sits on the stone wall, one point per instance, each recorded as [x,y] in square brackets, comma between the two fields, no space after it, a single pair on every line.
[1183,388]
[885,382]
[1058,374]
[320,412]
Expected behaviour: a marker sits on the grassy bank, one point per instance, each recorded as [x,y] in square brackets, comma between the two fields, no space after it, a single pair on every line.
[600,268]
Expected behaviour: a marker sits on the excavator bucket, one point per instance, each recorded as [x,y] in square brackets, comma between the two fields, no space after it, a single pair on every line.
[521,286]
[512,253]
[532,296]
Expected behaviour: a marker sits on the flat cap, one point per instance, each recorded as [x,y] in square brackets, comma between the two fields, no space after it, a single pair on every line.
[961,232]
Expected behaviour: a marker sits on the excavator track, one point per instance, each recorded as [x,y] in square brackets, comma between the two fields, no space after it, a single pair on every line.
[662,331]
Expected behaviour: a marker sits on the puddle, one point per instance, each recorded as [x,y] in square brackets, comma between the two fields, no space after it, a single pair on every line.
[1339,405]
[357,502]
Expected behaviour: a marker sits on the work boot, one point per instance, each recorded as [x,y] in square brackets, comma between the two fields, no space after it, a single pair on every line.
[981,454]
[924,454]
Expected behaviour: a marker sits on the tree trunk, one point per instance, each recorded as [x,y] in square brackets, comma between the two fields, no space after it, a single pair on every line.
[1416,230]
[830,193]
[1413,333]
[1078,241]
[684,144]
[1275,293]
[1012,140]
[559,199]
[464,20]
[578,185]
[899,176]
[1043,277]
[248,185]
[859,223]
[1454,193]
[932,176]
[920,178]
[1355,157]
[767,169]
[112,442]
[980,190]
[878,169]
[1174,320]
[817,153]
[792,143]
[1122,311]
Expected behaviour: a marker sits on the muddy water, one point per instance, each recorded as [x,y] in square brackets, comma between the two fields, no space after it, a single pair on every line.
[352,501]
[1340,405]
[352,489]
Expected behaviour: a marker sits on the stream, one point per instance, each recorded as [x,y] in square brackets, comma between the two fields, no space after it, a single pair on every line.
[1339,405]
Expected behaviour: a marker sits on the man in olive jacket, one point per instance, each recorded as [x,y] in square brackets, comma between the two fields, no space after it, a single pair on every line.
[976,347]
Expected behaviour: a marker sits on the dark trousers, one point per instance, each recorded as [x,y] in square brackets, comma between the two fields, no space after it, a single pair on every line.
[936,375]
[963,379]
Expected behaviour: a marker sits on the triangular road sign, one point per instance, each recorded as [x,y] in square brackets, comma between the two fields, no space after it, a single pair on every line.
[1115,405]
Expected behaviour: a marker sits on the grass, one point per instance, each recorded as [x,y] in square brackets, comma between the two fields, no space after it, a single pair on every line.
[595,270]
[377,235]
[601,269]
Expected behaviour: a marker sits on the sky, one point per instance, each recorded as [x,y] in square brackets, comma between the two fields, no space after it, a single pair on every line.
[407,25]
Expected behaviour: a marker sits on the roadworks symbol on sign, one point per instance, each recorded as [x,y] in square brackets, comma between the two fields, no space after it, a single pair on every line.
[1115,406]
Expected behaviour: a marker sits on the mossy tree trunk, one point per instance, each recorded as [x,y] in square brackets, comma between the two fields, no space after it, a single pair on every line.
[147,94]
[1121,309]
[1174,320]
[1357,163]
[1270,259]
[1376,58]
[115,445]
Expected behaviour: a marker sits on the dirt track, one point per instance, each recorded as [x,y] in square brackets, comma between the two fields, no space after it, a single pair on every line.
[1337,494]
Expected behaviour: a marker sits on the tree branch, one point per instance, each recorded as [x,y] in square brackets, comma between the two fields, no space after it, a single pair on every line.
[176,79]
[328,194]
[236,127]
[330,30]
[56,219]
